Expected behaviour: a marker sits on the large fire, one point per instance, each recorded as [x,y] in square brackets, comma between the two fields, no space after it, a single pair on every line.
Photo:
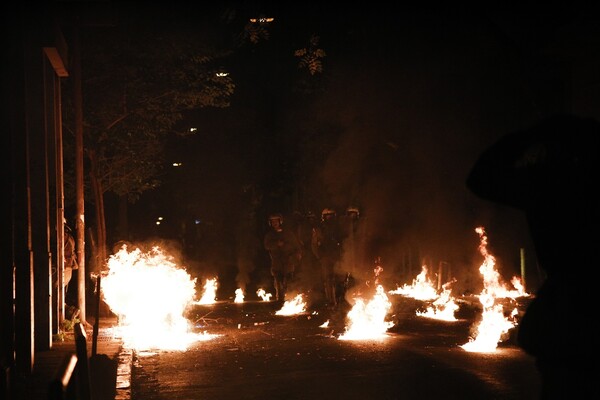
[494,324]
[150,294]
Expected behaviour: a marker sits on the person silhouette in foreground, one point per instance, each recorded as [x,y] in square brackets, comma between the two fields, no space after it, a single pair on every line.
[550,171]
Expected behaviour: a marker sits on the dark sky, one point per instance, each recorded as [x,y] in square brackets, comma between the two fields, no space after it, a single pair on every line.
[409,97]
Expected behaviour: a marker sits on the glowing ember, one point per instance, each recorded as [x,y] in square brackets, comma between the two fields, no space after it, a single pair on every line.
[149,294]
[422,287]
[210,292]
[292,307]
[367,320]
[443,308]
[494,325]
[239,296]
[264,295]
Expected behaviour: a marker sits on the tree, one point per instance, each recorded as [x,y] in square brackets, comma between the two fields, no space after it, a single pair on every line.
[139,79]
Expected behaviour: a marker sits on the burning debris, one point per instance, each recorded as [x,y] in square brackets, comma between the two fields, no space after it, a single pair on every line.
[292,307]
[263,295]
[367,320]
[422,287]
[210,292]
[239,296]
[150,294]
[494,324]
[443,307]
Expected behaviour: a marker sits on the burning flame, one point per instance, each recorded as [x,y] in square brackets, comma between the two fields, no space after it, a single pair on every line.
[239,295]
[367,320]
[443,308]
[493,324]
[422,287]
[149,294]
[292,307]
[210,292]
[264,295]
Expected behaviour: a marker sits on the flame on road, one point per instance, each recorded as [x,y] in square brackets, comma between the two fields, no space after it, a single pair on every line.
[263,295]
[210,292]
[239,295]
[150,294]
[443,308]
[292,307]
[494,324]
[422,287]
[367,319]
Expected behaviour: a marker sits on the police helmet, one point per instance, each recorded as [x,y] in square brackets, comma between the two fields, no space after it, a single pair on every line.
[327,212]
[277,217]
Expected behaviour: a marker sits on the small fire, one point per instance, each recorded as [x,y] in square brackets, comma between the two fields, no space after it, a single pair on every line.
[239,295]
[493,324]
[422,287]
[443,308]
[292,307]
[263,295]
[150,293]
[367,320]
[210,292]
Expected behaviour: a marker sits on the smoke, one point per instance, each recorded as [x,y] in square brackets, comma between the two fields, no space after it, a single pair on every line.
[409,127]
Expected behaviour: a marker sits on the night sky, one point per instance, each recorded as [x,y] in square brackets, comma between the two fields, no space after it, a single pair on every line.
[408,98]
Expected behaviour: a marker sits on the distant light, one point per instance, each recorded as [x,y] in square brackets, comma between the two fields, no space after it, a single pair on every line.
[157,222]
[222,74]
[177,164]
[160,218]
[193,129]
[262,20]
[197,221]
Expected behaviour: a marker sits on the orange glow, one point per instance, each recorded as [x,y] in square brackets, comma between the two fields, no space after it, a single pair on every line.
[150,294]
[292,307]
[263,295]
[494,325]
[367,319]
[239,296]
[422,287]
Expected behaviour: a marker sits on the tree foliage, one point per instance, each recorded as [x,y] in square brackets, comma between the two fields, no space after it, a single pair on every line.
[137,85]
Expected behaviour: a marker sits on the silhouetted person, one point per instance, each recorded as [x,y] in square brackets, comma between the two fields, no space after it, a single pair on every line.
[550,171]
[326,246]
[285,251]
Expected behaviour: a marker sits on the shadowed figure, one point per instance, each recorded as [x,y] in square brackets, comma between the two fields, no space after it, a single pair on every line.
[550,171]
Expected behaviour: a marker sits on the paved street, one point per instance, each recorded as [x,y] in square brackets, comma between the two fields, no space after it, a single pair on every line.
[261,355]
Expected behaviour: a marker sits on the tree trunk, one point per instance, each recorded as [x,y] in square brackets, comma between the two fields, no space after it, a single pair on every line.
[100,257]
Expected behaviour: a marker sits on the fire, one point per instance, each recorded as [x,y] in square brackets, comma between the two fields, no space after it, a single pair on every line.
[263,295]
[443,307]
[239,295]
[292,307]
[422,287]
[150,294]
[367,320]
[493,324]
[210,292]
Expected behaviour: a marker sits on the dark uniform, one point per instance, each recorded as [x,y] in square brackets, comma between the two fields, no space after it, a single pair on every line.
[285,251]
[326,245]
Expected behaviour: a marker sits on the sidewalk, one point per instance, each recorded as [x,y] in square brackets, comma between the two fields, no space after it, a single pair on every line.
[109,368]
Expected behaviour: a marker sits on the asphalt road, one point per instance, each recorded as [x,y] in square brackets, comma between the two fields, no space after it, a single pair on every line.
[261,355]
